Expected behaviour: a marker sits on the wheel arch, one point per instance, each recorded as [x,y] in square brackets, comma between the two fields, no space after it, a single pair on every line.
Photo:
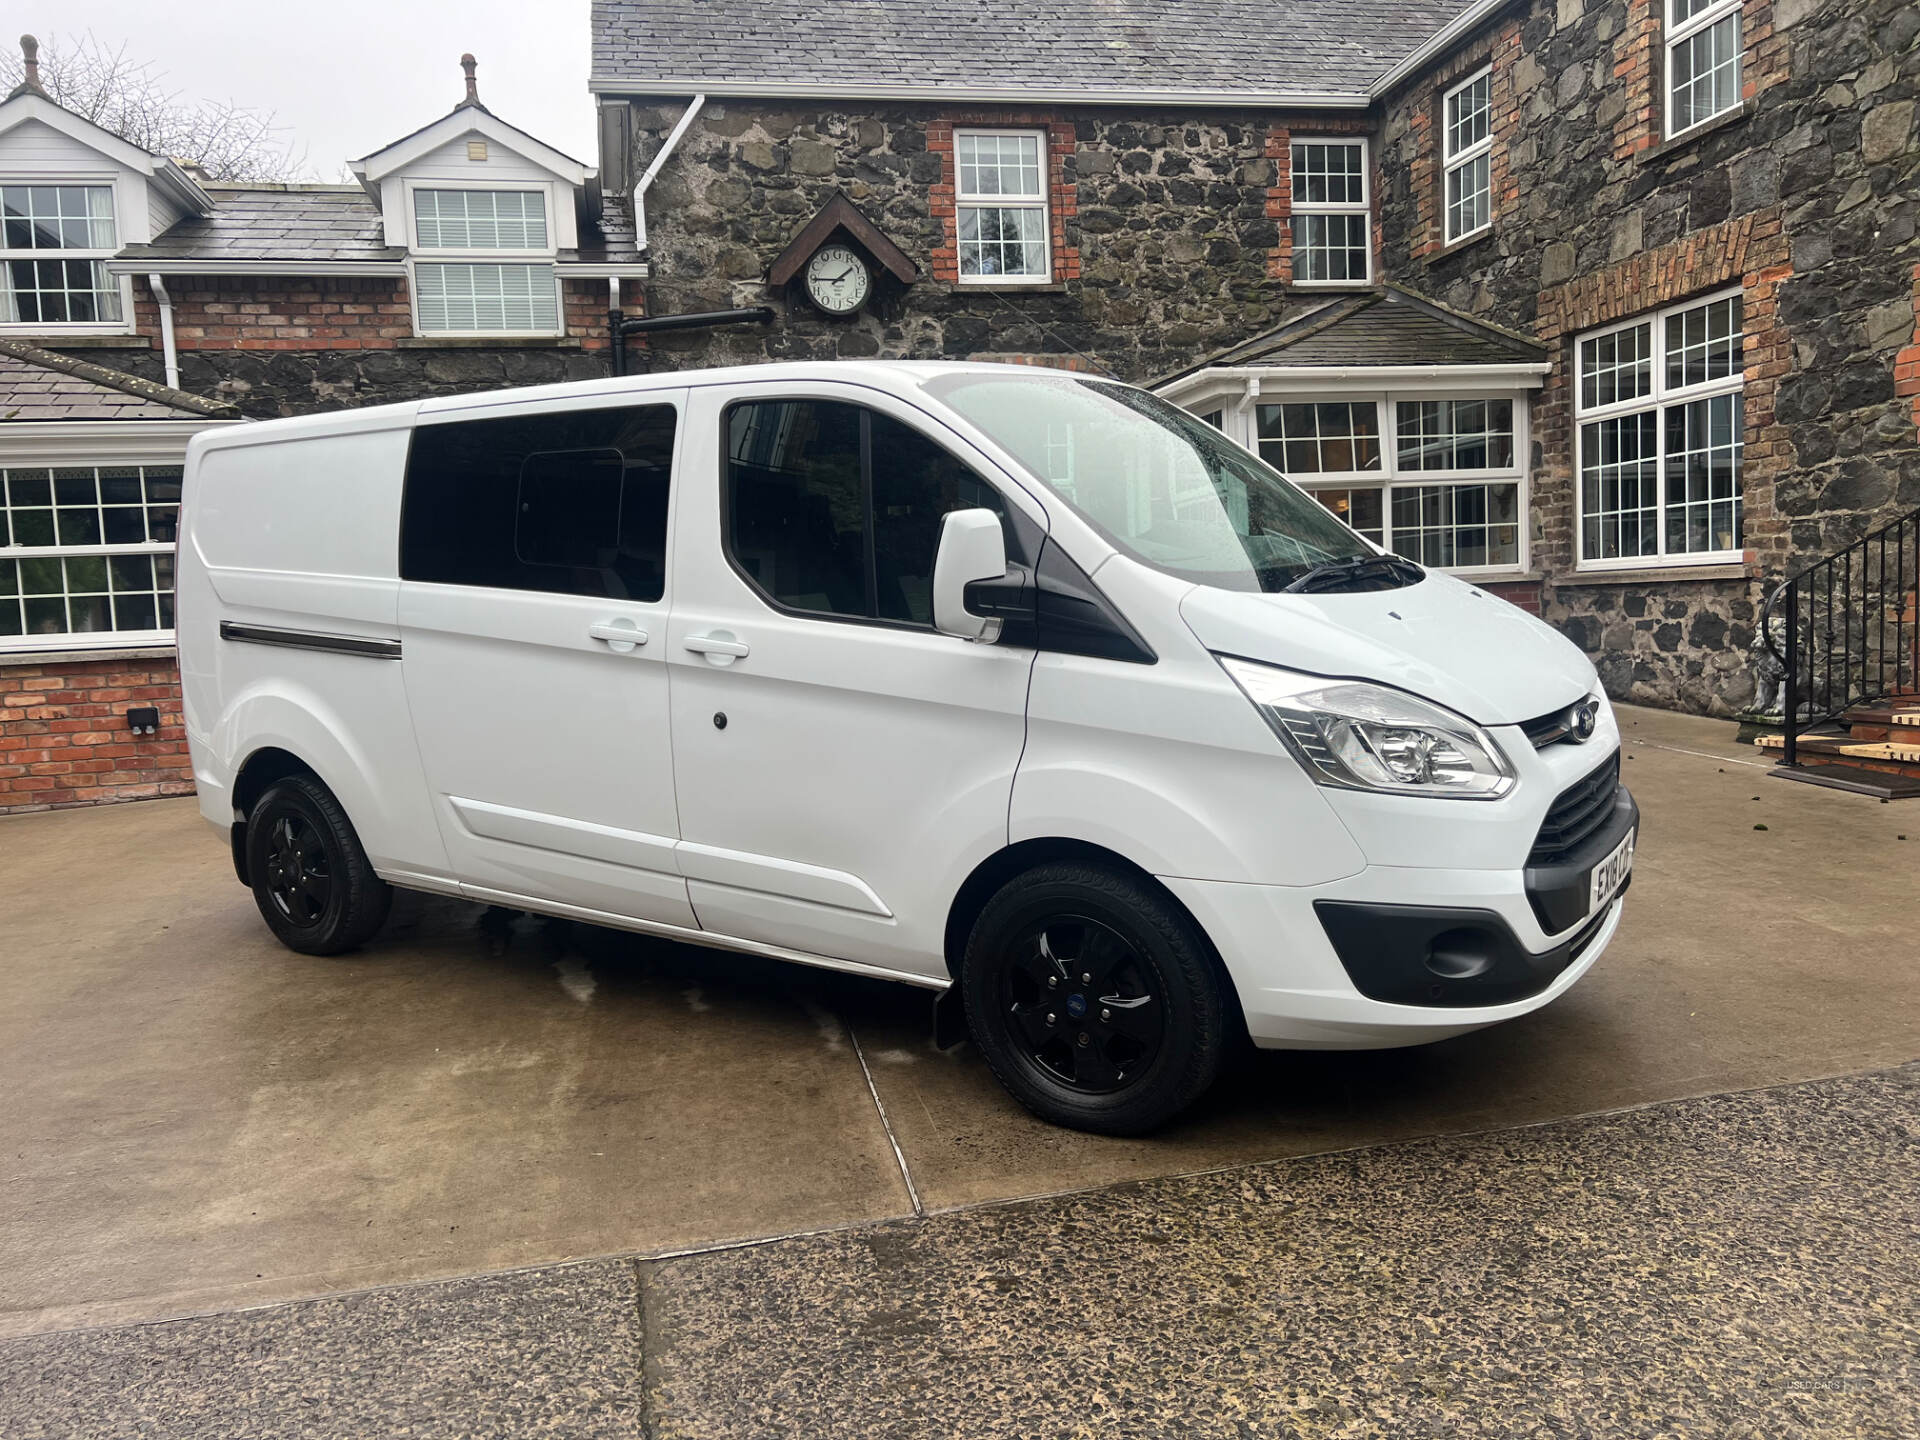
[256,774]
[1023,855]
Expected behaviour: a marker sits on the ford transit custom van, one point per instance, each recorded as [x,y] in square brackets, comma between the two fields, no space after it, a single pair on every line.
[1024,687]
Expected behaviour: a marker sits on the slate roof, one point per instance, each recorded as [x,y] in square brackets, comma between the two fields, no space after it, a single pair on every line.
[277,222]
[1252,47]
[1387,326]
[38,384]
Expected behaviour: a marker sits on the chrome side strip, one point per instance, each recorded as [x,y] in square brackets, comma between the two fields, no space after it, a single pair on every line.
[310,640]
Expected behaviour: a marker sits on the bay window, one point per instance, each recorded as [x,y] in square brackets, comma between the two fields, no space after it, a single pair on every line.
[55,241]
[1332,217]
[1703,61]
[484,263]
[1661,424]
[86,554]
[1438,480]
[1000,207]
[1466,125]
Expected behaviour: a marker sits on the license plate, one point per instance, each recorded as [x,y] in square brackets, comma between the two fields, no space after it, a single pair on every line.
[1611,873]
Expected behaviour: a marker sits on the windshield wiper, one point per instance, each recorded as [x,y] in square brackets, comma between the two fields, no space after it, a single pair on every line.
[1361,572]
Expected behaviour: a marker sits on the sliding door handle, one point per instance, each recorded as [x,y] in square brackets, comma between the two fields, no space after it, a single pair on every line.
[720,647]
[622,636]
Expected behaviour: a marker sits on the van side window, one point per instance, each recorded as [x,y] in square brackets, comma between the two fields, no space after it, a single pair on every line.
[572,503]
[836,510]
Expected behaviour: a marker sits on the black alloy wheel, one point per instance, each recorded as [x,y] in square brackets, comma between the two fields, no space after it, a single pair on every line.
[314,885]
[1083,1002]
[299,877]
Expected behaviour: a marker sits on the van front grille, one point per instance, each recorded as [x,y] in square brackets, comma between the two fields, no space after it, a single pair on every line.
[1572,819]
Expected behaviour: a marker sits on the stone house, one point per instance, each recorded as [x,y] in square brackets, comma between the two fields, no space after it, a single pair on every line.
[1609,305]
[141,302]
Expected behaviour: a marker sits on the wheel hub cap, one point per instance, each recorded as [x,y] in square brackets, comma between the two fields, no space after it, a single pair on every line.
[1116,1013]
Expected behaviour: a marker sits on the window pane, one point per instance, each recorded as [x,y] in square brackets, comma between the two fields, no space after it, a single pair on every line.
[58,217]
[1327,438]
[491,299]
[1455,434]
[1616,367]
[1620,487]
[915,483]
[1704,343]
[59,292]
[1704,70]
[1329,173]
[1003,240]
[796,521]
[1331,247]
[1469,197]
[481,219]
[1468,112]
[995,165]
[1458,525]
[1704,506]
[1361,509]
[574,503]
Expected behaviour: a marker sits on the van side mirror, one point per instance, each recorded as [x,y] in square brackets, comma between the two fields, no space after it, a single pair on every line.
[972,547]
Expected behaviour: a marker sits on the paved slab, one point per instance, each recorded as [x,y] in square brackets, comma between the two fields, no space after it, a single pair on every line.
[1748,957]
[196,1118]
[1742,1265]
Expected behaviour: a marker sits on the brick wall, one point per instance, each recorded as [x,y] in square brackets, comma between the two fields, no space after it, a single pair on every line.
[1280,196]
[944,260]
[1906,369]
[1500,53]
[64,738]
[1640,69]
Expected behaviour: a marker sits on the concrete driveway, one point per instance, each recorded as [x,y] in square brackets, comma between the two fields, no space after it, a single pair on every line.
[197,1120]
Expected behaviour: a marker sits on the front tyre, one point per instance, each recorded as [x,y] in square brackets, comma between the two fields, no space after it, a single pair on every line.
[312,881]
[1093,998]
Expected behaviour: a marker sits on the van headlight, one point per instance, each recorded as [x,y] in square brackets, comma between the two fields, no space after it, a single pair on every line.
[1368,737]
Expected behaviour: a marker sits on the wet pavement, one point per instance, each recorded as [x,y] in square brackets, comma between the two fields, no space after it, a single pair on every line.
[199,1121]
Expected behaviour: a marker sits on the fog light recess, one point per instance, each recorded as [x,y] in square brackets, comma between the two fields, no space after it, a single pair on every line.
[1459,955]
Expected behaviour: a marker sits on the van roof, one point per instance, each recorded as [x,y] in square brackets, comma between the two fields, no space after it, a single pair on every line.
[896,376]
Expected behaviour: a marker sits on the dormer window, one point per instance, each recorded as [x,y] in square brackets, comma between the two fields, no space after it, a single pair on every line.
[484,262]
[54,243]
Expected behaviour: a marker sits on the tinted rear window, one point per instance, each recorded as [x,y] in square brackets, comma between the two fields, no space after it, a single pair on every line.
[572,503]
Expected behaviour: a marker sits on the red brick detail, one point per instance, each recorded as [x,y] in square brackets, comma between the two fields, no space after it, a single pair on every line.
[1906,366]
[1750,252]
[1524,593]
[1427,172]
[584,305]
[1640,69]
[1063,198]
[1280,196]
[64,739]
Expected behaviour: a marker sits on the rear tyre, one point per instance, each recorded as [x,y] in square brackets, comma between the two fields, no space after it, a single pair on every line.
[312,881]
[1094,999]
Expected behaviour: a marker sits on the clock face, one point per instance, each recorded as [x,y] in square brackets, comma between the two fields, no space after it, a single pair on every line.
[837,280]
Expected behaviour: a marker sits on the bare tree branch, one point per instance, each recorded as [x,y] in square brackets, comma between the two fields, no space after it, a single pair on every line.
[118,93]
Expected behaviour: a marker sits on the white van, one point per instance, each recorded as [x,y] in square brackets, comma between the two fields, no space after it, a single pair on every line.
[1024,687]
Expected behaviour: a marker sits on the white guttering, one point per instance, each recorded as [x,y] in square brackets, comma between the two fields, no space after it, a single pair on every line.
[137,266]
[645,182]
[1437,44]
[935,94]
[602,269]
[1521,374]
[159,289]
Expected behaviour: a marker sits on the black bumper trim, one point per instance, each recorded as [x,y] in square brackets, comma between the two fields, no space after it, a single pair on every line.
[1559,894]
[1438,956]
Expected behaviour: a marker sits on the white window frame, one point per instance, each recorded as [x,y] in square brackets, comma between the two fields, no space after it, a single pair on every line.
[123,283]
[88,639]
[547,255]
[1390,477]
[1452,160]
[1364,209]
[1044,204]
[1681,31]
[1657,401]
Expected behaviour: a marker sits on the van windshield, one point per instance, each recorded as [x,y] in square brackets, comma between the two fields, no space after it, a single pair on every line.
[1159,485]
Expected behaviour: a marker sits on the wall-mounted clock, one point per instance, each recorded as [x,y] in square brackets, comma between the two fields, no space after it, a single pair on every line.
[838,280]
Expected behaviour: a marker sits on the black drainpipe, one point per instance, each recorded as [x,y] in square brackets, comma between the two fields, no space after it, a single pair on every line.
[619,328]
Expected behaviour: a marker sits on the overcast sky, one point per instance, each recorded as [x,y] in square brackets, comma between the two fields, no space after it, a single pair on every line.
[347,76]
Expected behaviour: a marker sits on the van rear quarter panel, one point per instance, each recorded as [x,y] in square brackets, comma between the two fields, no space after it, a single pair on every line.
[296,526]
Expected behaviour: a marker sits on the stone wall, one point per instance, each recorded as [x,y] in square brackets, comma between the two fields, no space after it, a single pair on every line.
[1164,244]
[64,738]
[1602,216]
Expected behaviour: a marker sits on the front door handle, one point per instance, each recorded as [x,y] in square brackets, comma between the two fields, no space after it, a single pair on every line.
[720,647]
[622,636]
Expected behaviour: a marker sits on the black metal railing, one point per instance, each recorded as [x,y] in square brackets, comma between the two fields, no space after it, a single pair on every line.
[1844,629]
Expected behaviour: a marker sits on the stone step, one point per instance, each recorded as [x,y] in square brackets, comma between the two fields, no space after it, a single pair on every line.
[1832,751]
[1855,779]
